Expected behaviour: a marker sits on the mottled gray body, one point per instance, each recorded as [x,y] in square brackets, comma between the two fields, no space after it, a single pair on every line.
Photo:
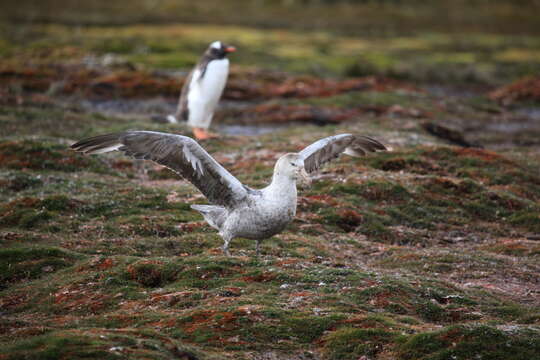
[264,214]
[261,214]
[236,210]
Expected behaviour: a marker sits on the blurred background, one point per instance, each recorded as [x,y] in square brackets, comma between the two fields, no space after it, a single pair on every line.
[104,54]
[476,41]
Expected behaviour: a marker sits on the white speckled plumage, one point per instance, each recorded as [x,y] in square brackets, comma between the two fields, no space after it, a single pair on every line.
[236,210]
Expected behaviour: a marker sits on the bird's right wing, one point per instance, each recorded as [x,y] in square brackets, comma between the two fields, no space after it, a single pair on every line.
[179,153]
[329,148]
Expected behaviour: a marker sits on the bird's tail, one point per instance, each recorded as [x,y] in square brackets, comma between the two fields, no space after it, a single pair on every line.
[214,215]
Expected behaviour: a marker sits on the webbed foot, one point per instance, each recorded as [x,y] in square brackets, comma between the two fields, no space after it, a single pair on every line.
[203,134]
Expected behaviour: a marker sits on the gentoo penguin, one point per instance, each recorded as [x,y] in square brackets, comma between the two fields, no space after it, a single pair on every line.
[202,90]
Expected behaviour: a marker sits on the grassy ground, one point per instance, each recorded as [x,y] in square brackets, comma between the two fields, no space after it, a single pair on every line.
[429,251]
[481,58]
[365,17]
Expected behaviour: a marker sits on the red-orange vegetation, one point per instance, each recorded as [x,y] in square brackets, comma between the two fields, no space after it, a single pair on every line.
[15,300]
[132,269]
[262,277]
[133,84]
[351,216]
[452,335]
[302,294]
[105,264]
[122,164]
[325,200]
[277,113]
[362,321]
[485,155]
[287,262]
[382,299]
[129,82]
[527,89]
[310,86]
[80,297]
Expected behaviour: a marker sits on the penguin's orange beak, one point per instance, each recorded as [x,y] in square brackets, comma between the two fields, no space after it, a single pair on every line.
[229,49]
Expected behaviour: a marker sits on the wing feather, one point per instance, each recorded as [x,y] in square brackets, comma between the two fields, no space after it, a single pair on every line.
[327,149]
[179,153]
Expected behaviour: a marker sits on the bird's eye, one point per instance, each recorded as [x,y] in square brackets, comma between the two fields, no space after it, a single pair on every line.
[293,164]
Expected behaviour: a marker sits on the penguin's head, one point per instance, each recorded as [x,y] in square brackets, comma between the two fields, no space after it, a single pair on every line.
[219,50]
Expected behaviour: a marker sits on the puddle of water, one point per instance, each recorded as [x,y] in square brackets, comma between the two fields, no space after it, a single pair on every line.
[511,127]
[532,113]
[123,106]
[528,120]
[249,130]
[162,106]
[449,91]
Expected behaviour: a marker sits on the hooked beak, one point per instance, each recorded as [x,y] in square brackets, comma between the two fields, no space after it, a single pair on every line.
[230,49]
[304,177]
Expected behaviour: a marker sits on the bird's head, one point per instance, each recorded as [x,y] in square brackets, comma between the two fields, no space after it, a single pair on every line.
[292,166]
[219,50]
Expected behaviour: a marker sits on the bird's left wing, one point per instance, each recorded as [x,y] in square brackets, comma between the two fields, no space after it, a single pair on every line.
[180,153]
[327,149]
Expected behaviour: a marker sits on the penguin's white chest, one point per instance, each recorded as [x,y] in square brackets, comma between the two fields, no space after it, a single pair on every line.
[205,91]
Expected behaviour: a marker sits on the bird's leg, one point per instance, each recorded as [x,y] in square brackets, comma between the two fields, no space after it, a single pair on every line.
[140,168]
[226,241]
[203,134]
[258,247]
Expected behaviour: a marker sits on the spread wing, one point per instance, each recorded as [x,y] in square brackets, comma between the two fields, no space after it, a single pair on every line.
[179,153]
[327,149]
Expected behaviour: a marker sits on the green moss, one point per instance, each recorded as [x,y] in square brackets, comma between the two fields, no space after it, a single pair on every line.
[153,273]
[25,218]
[55,346]
[308,329]
[374,226]
[31,218]
[98,344]
[431,311]
[459,342]
[21,181]
[510,311]
[44,155]
[350,343]
[205,276]
[382,190]
[58,203]
[416,214]
[410,161]
[529,219]
[18,264]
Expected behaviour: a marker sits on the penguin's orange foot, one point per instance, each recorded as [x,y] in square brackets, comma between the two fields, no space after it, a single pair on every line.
[203,134]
